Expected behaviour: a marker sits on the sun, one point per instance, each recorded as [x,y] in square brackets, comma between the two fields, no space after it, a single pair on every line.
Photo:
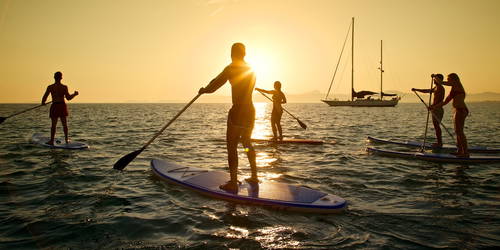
[263,66]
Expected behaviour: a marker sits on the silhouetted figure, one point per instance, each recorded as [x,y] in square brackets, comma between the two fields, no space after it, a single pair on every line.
[438,92]
[58,109]
[457,94]
[241,117]
[278,99]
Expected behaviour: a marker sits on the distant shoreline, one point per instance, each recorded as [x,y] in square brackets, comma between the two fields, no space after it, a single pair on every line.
[307,97]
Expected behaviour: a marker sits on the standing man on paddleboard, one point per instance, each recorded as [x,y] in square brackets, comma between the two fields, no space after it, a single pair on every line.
[241,117]
[58,108]
[278,99]
[438,113]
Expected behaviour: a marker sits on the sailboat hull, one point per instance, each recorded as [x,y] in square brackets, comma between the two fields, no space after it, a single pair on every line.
[363,103]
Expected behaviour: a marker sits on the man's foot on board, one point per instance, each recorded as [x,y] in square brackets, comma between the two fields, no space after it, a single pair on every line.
[252,180]
[230,186]
[50,143]
[280,138]
[437,145]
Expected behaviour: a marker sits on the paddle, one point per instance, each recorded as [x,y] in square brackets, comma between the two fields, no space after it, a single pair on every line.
[125,160]
[303,125]
[433,114]
[428,112]
[2,119]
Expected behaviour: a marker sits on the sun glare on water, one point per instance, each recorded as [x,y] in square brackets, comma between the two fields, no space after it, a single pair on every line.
[262,126]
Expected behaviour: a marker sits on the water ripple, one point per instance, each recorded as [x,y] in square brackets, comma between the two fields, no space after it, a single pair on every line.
[74,199]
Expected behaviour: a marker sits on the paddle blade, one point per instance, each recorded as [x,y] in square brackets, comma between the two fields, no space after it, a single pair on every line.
[2,119]
[125,160]
[303,125]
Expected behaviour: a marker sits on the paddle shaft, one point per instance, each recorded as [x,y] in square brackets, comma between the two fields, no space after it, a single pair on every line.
[26,110]
[170,122]
[125,160]
[2,119]
[428,112]
[434,115]
[282,108]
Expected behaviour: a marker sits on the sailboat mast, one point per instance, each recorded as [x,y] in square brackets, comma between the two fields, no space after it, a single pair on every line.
[352,61]
[381,71]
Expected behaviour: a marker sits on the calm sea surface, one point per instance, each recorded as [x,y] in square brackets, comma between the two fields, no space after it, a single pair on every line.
[74,199]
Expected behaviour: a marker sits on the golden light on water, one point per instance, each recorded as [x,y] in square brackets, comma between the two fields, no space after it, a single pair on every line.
[237,232]
[262,129]
[268,237]
[262,126]
[277,237]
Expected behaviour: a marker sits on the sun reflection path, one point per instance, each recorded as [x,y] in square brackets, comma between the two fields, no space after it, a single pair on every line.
[262,129]
[269,237]
[262,126]
[277,237]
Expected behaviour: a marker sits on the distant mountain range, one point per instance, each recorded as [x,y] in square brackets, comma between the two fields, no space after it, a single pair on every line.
[317,96]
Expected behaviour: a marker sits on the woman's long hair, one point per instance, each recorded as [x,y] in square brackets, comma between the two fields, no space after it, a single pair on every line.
[454,77]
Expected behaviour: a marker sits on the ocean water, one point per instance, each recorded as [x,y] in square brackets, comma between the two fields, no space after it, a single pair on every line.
[60,199]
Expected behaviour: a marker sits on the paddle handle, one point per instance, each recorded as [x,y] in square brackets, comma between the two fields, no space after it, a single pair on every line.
[170,122]
[26,110]
[434,115]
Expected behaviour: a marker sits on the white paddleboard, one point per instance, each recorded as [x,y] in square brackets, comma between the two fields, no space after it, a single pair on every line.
[472,149]
[40,139]
[435,156]
[267,193]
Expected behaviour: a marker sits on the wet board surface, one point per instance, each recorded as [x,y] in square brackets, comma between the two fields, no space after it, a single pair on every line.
[445,147]
[435,156]
[40,139]
[287,140]
[267,193]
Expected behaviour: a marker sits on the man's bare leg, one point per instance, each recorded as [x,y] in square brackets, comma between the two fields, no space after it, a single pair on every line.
[437,128]
[232,137]
[65,128]
[52,130]
[247,143]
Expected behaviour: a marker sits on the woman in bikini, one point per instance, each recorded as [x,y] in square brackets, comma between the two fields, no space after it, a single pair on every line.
[278,99]
[457,94]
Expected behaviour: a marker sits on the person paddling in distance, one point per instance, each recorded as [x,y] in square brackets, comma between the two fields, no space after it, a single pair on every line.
[241,117]
[278,99]
[438,92]
[457,94]
[58,108]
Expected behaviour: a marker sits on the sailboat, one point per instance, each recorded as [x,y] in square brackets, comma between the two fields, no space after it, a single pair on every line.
[358,98]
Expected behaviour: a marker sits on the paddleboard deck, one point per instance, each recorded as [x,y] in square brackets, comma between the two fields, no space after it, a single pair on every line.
[40,139]
[434,156]
[271,194]
[287,140]
[476,149]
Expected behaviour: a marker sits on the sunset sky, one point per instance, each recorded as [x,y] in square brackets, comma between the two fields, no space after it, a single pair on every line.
[161,50]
